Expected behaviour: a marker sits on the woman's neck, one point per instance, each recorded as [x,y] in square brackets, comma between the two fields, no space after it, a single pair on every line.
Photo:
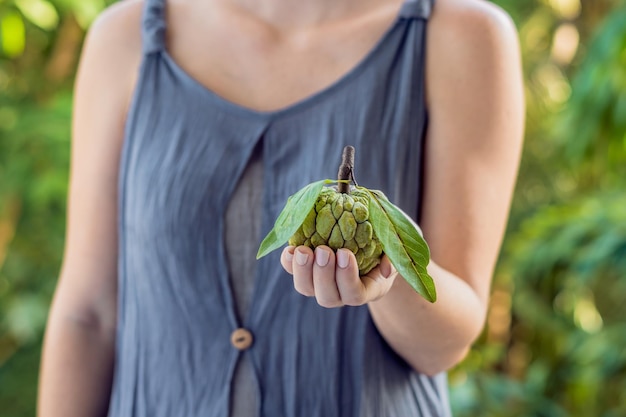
[288,14]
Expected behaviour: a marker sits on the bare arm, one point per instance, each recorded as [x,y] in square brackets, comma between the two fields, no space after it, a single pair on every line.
[473,147]
[78,353]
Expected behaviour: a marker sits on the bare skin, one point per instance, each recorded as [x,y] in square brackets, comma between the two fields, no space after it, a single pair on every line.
[473,147]
[474,142]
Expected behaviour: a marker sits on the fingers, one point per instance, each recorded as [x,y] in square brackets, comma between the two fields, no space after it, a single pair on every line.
[379,280]
[324,282]
[333,279]
[351,288]
[302,269]
[286,259]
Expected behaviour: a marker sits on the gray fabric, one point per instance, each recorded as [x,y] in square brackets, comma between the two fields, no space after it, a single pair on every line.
[242,231]
[243,226]
[184,152]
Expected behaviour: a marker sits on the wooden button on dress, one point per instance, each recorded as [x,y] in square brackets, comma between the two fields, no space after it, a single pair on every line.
[241,338]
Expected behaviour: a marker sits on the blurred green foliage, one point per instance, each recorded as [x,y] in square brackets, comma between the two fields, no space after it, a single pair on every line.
[593,131]
[39,45]
[555,335]
[554,344]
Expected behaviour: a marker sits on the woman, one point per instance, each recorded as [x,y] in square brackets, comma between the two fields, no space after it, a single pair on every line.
[194,121]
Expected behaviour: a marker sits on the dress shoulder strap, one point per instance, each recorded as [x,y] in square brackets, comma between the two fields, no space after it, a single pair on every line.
[417,9]
[153,20]
[153,26]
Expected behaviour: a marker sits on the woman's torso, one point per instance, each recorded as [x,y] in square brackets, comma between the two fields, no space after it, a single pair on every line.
[186,146]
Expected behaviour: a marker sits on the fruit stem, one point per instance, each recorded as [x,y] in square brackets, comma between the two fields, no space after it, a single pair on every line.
[346,170]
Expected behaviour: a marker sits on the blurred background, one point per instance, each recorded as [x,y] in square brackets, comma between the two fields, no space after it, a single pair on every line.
[555,340]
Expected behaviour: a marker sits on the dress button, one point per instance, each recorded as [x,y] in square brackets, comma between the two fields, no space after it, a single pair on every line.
[241,338]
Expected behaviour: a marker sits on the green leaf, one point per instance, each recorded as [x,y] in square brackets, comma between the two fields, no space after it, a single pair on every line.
[403,244]
[291,218]
[40,12]
[12,34]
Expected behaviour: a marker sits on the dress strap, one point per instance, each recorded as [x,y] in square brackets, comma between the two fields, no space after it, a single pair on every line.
[153,26]
[153,20]
[417,8]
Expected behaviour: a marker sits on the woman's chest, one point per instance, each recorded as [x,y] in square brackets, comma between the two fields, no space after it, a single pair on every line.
[259,66]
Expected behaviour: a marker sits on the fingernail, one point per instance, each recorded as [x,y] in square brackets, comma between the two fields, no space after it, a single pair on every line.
[289,256]
[342,259]
[321,257]
[385,268]
[301,258]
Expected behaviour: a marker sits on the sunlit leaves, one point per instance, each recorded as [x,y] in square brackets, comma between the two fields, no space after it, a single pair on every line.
[84,11]
[40,12]
[12,34]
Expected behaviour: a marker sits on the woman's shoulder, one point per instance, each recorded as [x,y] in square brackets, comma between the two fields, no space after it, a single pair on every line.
[118,28]
[470,44]
[462,24]
[119,25]
[113,48]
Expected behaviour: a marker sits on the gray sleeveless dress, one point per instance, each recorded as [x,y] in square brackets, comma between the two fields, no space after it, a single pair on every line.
[183,348]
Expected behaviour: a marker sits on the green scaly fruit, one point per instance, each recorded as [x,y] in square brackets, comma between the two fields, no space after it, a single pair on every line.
[356,218]
[340,220]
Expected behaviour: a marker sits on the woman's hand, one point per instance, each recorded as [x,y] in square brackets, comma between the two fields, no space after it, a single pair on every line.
[333,279]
